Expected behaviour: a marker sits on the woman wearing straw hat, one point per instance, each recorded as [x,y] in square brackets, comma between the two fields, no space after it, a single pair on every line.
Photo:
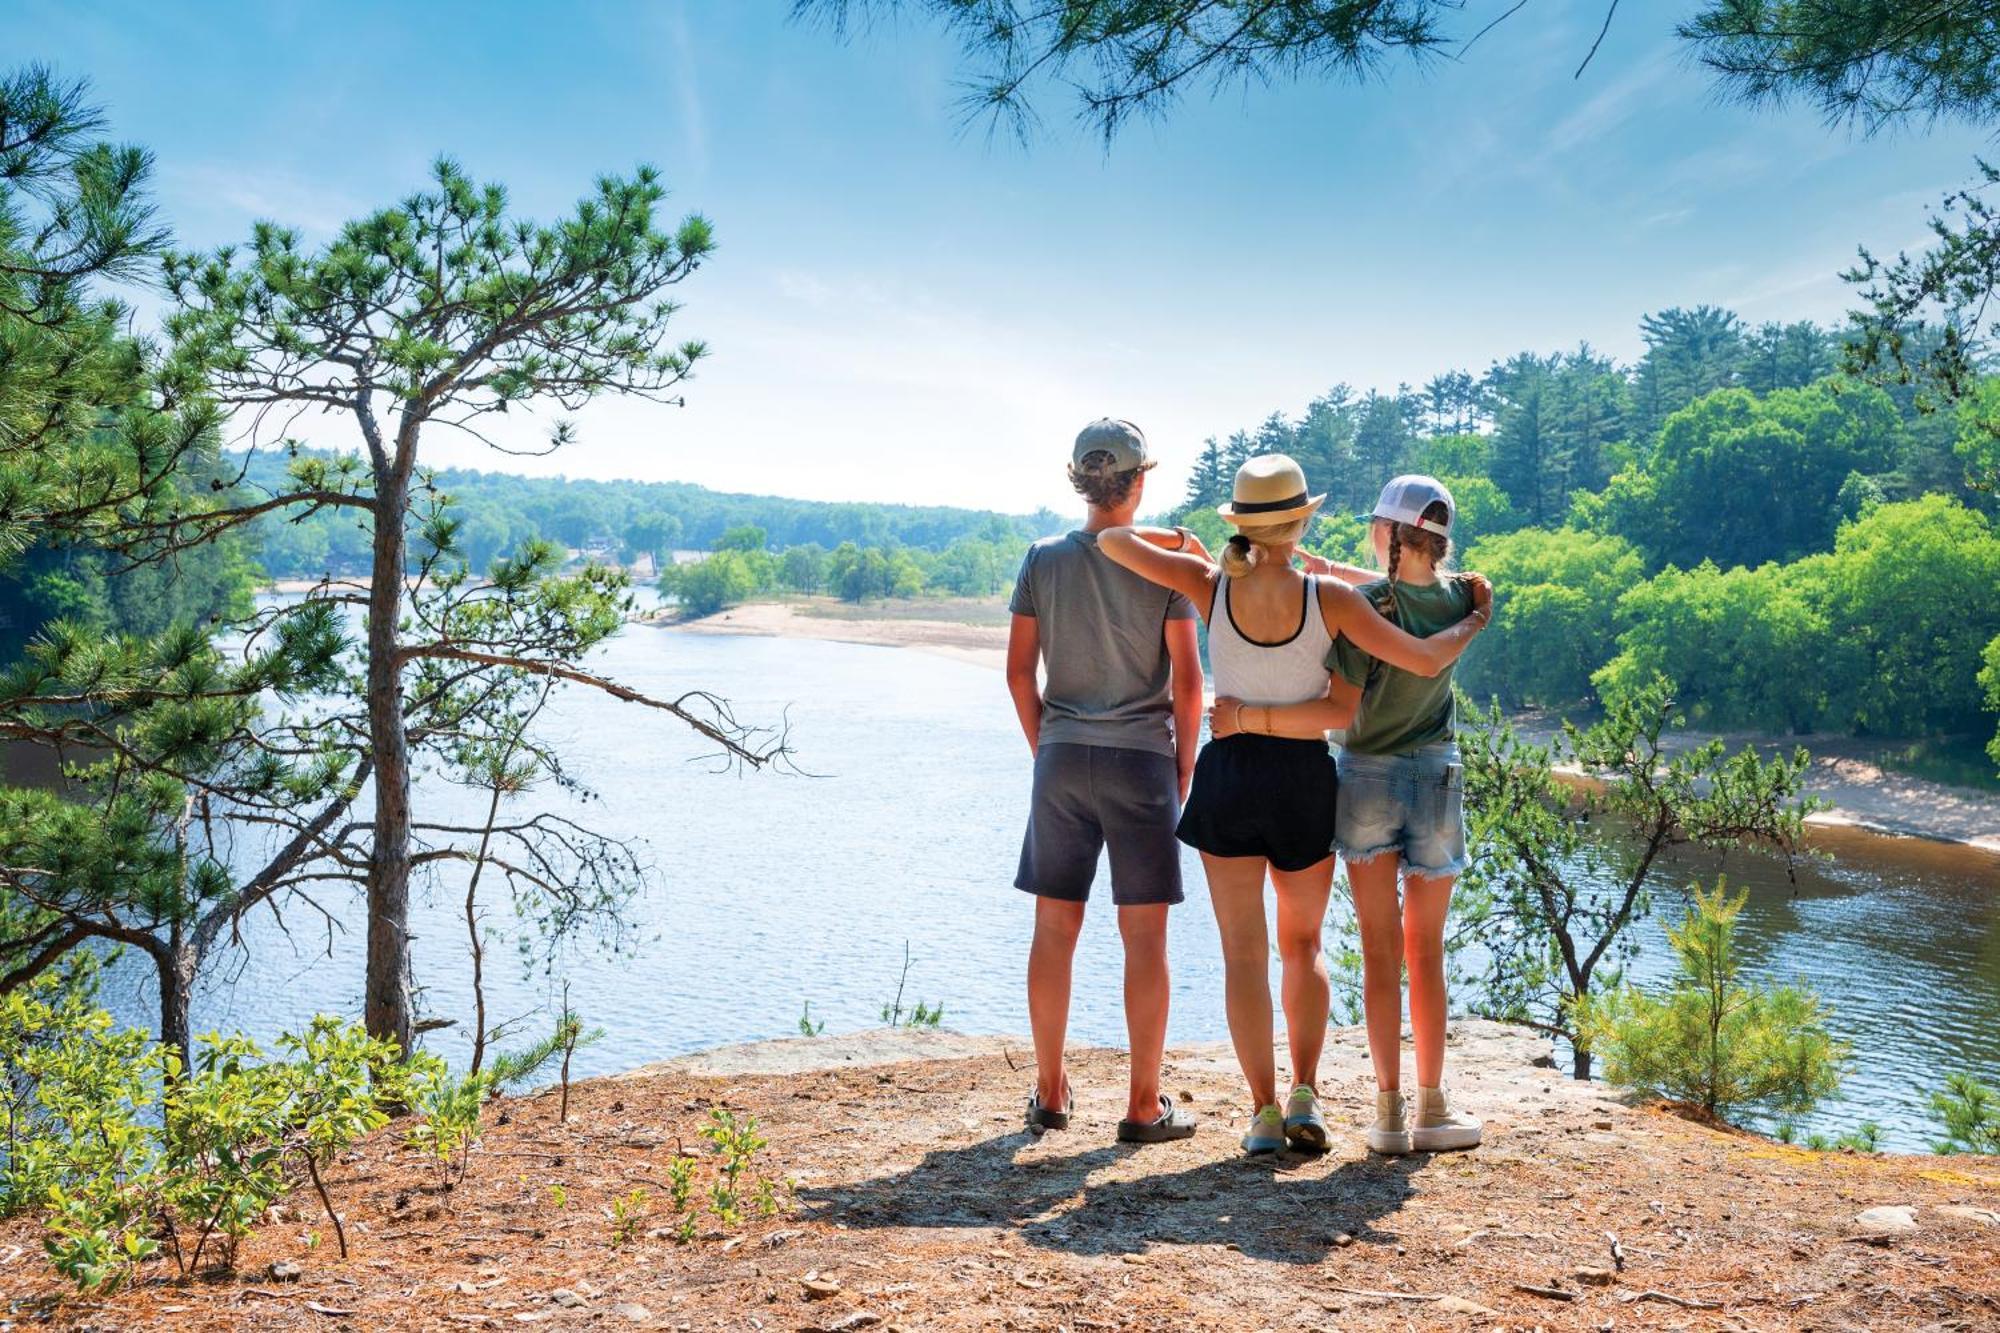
[1261,803]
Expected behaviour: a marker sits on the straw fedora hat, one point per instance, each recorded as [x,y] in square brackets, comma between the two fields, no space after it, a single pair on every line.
[1270,489]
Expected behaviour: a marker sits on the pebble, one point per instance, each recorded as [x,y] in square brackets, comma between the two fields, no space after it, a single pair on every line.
[1595,1277]
[819,1288]
[1460,1305]
[1889,1217]
[284,1271]
[637,1314]
[563,1296]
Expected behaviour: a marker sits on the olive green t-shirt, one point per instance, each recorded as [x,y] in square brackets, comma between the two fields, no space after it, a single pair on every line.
[1400,710]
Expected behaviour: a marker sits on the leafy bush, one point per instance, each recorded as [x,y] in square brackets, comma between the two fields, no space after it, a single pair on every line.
[1971,1114]
[128,1148]
[1989,678]
[1710,1039]
[447,1129]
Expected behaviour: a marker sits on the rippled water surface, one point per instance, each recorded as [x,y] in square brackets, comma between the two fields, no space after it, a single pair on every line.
[771,891]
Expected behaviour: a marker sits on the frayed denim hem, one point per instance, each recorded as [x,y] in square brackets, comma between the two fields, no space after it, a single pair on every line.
[1451,869]
[1364,857]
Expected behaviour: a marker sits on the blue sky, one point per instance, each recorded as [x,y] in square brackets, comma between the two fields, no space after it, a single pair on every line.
[901,309]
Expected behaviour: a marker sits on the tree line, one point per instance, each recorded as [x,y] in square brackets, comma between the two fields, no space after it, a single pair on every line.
[743,565]
[1799,550]
[625,521]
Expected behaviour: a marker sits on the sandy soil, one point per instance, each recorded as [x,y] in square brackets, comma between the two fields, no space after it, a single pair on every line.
[919,1204]
[981,645]
[1863,794]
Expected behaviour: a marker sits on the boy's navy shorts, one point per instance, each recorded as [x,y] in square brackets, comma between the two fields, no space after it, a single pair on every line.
[1091,797]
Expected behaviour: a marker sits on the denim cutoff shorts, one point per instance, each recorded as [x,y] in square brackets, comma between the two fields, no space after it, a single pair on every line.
[1410,803]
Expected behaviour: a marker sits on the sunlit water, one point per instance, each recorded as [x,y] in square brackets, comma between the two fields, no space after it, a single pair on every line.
[771,891]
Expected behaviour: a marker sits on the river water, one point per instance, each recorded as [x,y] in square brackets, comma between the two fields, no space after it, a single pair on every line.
[771,891]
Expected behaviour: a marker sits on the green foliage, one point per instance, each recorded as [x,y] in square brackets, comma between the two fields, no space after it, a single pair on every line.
[1554,619]
[1711,1039]
[125,1148]
[1970,1111]
[447,1128]
[1558,873]
[511,1070]
[628,1214]
[1125,58]
[1872,61]
[711,584]
[1740,480]
[1989,679]
[808,1025]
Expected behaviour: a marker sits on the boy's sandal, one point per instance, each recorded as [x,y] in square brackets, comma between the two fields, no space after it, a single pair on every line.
[1042,1117]
[1173,1123]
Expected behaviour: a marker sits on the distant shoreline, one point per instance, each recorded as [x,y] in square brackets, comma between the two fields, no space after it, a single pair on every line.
[1864,796]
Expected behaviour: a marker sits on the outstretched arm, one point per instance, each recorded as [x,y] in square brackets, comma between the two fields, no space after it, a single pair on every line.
[1192,576]
[1302,721]
[1348,612]
[1024,650]
[1171,539]
[1353,575]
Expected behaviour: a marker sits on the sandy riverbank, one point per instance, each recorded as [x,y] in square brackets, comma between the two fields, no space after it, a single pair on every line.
[1863,795]
[917,1202]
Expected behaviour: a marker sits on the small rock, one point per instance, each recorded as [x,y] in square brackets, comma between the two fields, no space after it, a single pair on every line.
[1600,1124]
[1594,1277]
[819,1288]
[637,1314]
[465,1288]
[1186,1097]
[1460,1305]
[563,1296]
[284,1271]
[1342,1241]
[859,1319]
[1986,1215]
[1895,1218]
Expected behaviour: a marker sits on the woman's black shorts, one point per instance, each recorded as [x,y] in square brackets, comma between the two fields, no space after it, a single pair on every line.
[1267,796]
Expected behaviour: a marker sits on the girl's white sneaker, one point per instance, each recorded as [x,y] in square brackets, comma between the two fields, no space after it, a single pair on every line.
[1390,1134]
[1438,1128]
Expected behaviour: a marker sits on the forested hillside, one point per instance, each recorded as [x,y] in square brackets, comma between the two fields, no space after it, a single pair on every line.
[1798,551]
[619,519]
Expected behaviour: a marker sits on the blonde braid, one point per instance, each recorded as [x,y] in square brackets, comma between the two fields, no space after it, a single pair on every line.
[1395,558]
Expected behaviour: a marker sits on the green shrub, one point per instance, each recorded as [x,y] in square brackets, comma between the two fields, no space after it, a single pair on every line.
[129,1149]
[447,1128]
[1971,1114]
[1711,1040]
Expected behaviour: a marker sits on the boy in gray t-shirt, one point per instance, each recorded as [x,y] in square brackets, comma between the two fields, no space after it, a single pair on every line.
[1114,734]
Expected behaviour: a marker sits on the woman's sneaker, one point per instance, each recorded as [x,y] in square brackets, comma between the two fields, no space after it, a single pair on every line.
[1267,1132]
[1438,1128]
[1390,1134]
[1305,1126]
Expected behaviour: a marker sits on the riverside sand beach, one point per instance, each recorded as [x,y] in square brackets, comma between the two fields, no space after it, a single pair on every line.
[917,1202]
[1861,794]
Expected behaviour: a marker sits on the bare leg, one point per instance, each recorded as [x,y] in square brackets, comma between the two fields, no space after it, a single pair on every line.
[1308,997]
[1144,929]
[1236,891]
[1057,924]
[1375,911]
[1426,899]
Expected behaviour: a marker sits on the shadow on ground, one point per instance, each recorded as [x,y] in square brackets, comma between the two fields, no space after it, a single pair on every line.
[1286,1208]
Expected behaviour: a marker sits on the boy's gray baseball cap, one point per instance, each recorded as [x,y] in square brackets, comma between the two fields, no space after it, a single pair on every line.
[1405,498]
[1125,442]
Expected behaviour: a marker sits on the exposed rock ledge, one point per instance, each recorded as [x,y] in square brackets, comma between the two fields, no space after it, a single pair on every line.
[920,1204]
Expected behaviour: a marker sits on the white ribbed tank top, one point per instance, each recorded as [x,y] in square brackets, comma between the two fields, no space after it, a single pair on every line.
[1290,672]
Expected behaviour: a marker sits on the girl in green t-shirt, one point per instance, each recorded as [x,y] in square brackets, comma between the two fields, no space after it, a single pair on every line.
[1400,807]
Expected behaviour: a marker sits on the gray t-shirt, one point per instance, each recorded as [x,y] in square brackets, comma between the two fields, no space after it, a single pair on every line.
[1104,648]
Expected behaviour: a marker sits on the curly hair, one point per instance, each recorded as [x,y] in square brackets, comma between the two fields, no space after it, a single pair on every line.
[1099,482]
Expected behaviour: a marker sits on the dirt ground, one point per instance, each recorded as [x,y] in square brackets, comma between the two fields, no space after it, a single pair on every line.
[920,1204]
